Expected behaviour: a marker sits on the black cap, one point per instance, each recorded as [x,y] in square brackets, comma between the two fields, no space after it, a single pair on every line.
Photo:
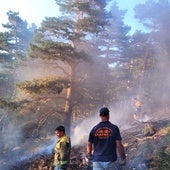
[60,128]
[104,111]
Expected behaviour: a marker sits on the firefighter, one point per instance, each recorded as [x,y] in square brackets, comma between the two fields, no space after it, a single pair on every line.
[137,104]
[62,149]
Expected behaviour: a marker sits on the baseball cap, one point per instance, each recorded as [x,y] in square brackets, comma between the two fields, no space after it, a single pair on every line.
[104,111]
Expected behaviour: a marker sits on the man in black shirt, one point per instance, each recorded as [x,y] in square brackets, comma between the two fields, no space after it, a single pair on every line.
[104,140]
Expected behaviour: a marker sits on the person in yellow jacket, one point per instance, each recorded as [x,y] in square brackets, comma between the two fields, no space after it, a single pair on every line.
[62,149]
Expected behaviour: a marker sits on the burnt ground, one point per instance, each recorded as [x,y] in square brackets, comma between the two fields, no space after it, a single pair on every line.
[143,142]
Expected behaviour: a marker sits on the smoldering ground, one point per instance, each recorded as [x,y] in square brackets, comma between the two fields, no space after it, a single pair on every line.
[120,114]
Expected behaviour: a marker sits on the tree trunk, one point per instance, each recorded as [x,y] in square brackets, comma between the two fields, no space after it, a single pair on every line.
[68,104]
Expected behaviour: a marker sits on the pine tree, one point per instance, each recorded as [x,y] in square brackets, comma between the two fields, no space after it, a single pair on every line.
[62,41]
[13,45]
[154,16]
[15,40]
[112,47]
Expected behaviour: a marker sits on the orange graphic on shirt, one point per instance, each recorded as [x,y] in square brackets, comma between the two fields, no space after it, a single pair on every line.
[103,133]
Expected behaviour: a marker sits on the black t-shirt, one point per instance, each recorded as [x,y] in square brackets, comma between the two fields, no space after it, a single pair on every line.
[104,136]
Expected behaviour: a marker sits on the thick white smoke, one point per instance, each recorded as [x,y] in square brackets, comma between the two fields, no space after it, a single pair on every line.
[118,116]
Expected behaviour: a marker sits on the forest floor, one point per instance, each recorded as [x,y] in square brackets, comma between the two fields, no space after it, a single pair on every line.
[147,146]
[147,143]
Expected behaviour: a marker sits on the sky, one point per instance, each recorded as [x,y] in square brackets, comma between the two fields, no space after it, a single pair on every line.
[129,18]
[34,11]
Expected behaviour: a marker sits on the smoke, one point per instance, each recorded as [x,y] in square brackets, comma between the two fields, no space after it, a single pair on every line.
[10,131]
[23,152]
[13,149]
[120,116]
[10,143]
[37,70]
[79,134]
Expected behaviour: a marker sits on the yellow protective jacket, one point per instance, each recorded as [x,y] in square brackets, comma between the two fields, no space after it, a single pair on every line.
[62,151]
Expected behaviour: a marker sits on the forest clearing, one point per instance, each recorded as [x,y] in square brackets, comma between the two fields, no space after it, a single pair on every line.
[63,71]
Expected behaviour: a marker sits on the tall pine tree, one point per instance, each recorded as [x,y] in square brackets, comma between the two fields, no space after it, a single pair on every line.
[59,40]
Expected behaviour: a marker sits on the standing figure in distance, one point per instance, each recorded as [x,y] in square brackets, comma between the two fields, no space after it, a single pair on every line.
[137,113]
[62,149]
[104,140]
